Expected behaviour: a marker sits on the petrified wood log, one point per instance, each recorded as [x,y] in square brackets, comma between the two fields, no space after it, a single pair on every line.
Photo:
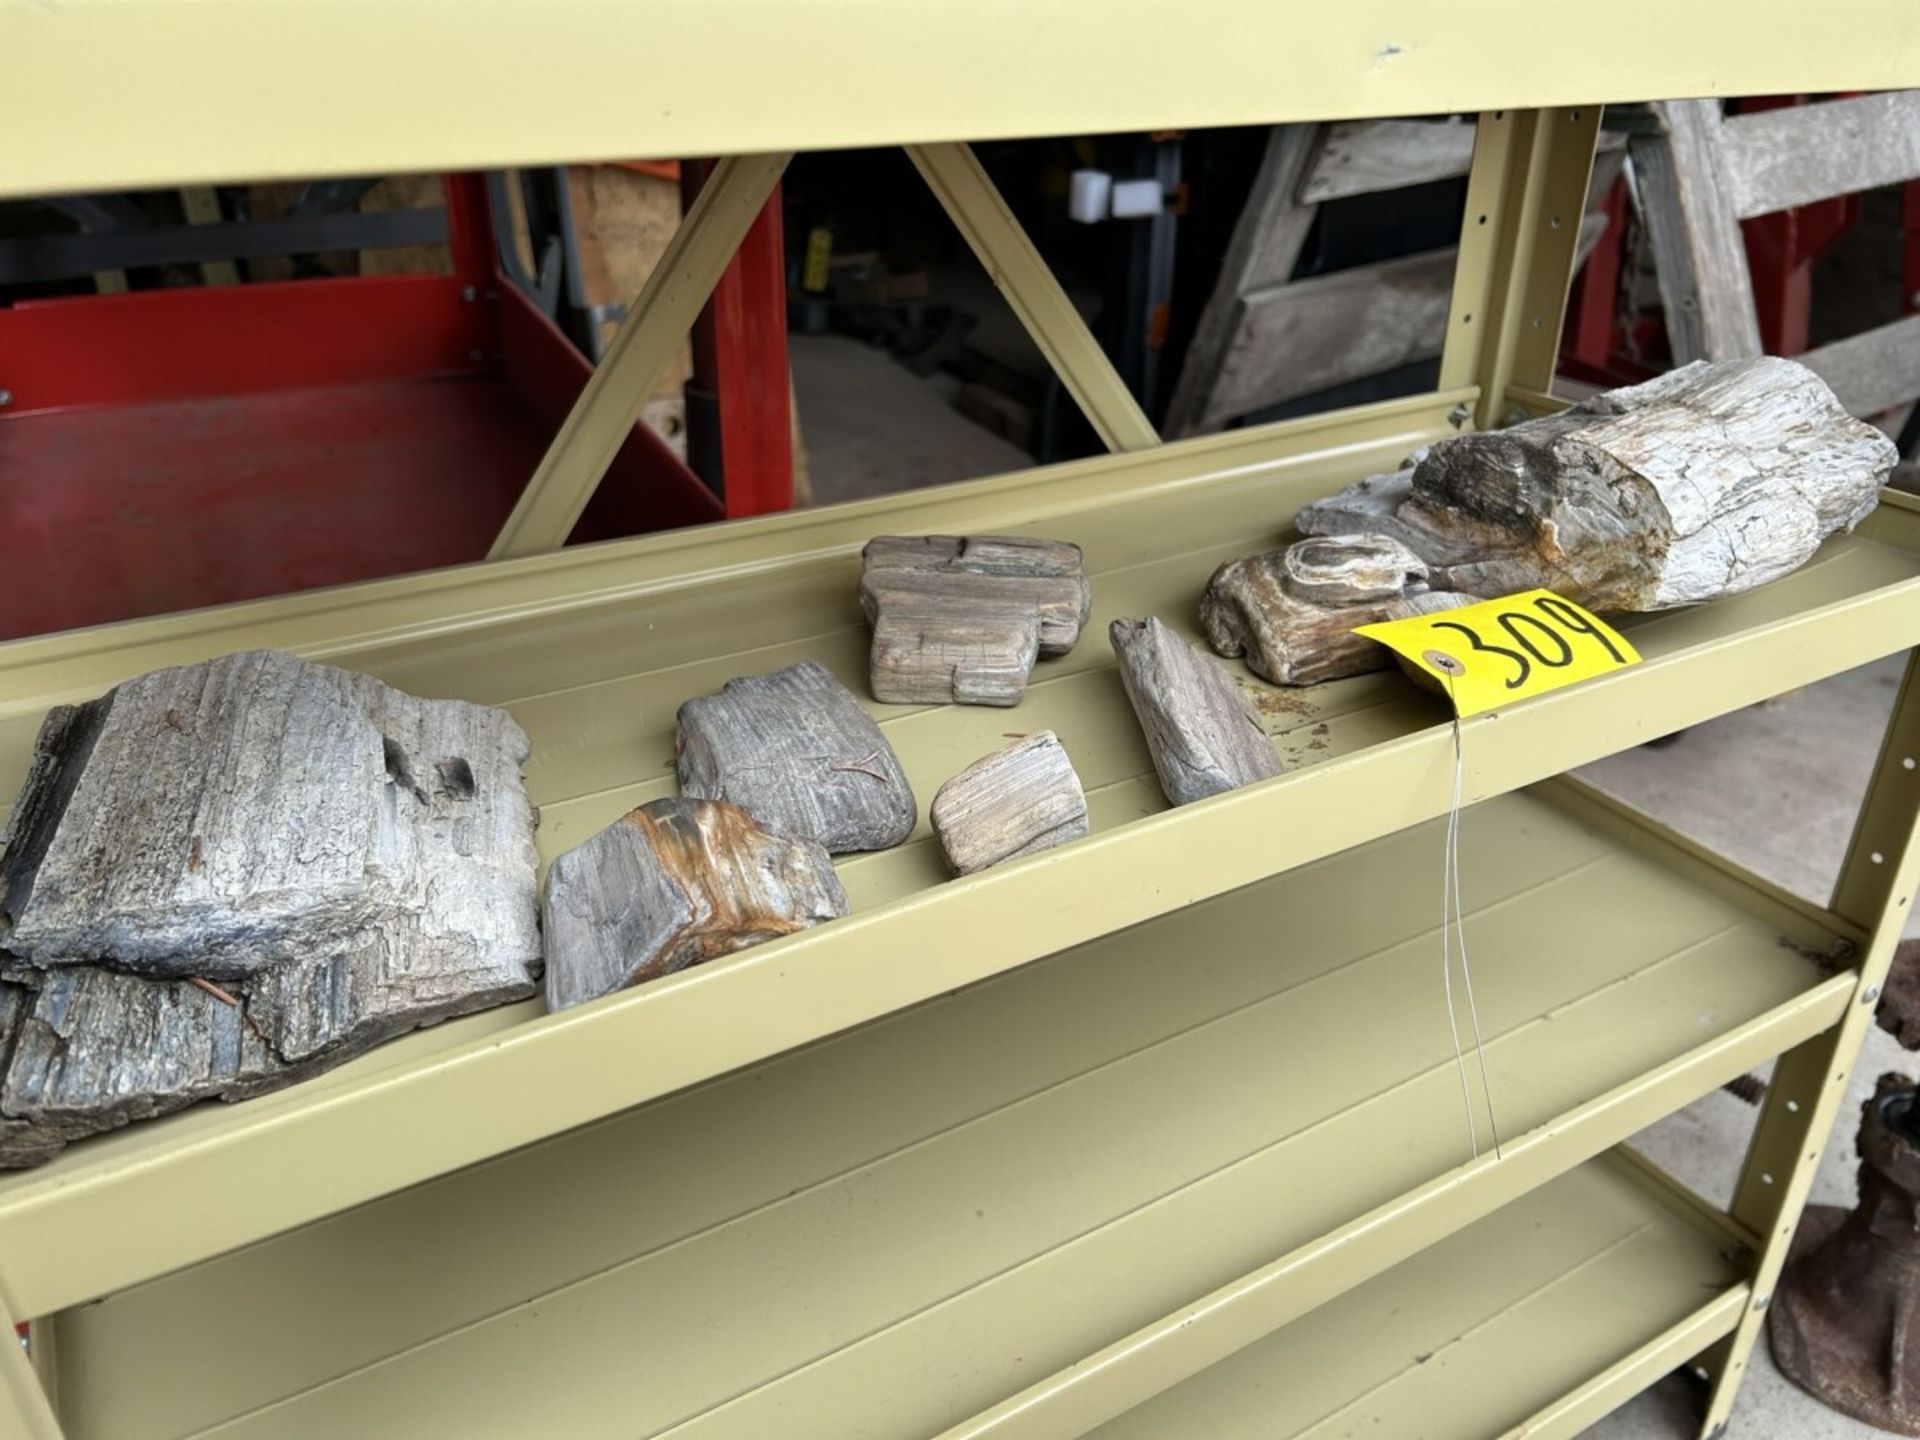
[1704,482]
[796,751]
[1200,726]
[346,861]
[1014,802]
[670,885]
[1292,612]
[962,619]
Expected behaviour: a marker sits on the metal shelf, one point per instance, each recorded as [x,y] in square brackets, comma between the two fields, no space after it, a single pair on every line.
[595,671]
[1100,1156]
[1533,1322]
[169,109]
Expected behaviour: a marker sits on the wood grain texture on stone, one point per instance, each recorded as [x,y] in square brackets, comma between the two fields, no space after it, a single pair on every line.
[1292,612]
[1017,801]
[1200,725]
[673,884]
[961,619]
[347,862]
[1702,483]
[796,751]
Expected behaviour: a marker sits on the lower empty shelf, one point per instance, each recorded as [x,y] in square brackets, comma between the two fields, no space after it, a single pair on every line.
[1151,1150]
[1533,1321]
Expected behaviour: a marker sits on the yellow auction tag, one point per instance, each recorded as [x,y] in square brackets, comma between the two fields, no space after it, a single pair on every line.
[1491,654]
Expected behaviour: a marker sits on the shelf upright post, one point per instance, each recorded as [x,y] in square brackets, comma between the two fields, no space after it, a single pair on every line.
[1875,892]
[968,193]
[656,323]
[25,1410]
[1518,242]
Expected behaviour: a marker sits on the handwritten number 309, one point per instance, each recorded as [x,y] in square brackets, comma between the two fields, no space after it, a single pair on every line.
[1530,653]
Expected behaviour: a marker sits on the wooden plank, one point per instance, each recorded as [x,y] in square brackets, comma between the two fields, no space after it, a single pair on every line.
[1776,159]
[1873,371]
[1295,339]
[1360,158]
[1698,252]
[1265,246]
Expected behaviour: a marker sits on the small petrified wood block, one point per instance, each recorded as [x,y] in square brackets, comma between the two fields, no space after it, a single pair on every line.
[962,619]
[673,884]
[1200,726]
[1013,802]
[224,877]
[796,751]
[1292,612]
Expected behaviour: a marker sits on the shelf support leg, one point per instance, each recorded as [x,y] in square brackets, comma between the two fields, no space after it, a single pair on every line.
[1875,891]
[1519,242]
[656,323]
[966,190]
[24,1408]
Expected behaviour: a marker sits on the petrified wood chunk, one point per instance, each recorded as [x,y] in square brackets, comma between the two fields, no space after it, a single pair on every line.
[796,751]
[346,861]
[1704,482]
[1200,726]
[670,885]
[1292,612]
[1013,802]
[963,618]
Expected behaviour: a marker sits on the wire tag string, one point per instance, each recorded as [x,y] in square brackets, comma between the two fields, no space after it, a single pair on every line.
[1453,927]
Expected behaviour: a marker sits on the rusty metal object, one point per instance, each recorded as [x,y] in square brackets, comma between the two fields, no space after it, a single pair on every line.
[1843,1325]
[1899,1008]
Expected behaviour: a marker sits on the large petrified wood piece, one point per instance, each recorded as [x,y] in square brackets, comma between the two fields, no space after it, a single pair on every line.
[1701,483]
[1292,612]
[223,877]
[1200,726]
[796,751]
[1017,801]
[963,618]
[670,885]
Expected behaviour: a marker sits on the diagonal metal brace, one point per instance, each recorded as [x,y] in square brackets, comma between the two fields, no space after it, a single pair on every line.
[656,323]
[969,195]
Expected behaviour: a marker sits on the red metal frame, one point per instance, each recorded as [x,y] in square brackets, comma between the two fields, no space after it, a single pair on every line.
[740,357]
[169,449]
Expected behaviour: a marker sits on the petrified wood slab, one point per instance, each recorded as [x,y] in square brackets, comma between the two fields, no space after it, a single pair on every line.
[796,751]
[1014,802]
[1703,482]
[673,884]
[1292,612]
[1200,726]
[963,618]
[224,877]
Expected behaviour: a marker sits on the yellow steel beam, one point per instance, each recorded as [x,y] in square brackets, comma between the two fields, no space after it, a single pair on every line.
[648,339]
[1518,240]
[1877,882]
[970,197]
[24,1410]
[180,91]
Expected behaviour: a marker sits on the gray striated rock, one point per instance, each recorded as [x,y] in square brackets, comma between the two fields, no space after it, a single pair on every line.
[1017,801]
[962,619]
[1200,727]
[224,877]
[1292,612]
[672,884]
[796,751]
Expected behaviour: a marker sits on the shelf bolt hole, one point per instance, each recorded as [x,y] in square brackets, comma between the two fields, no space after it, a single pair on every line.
[1766,1178]
[1555,222]
[1877,858]
[1906,762]
[1793,1107]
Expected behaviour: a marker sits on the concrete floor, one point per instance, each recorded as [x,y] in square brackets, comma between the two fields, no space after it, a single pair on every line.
[1775,786]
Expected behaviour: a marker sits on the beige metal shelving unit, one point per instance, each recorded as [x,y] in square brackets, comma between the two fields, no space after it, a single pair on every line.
[1155,1134]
